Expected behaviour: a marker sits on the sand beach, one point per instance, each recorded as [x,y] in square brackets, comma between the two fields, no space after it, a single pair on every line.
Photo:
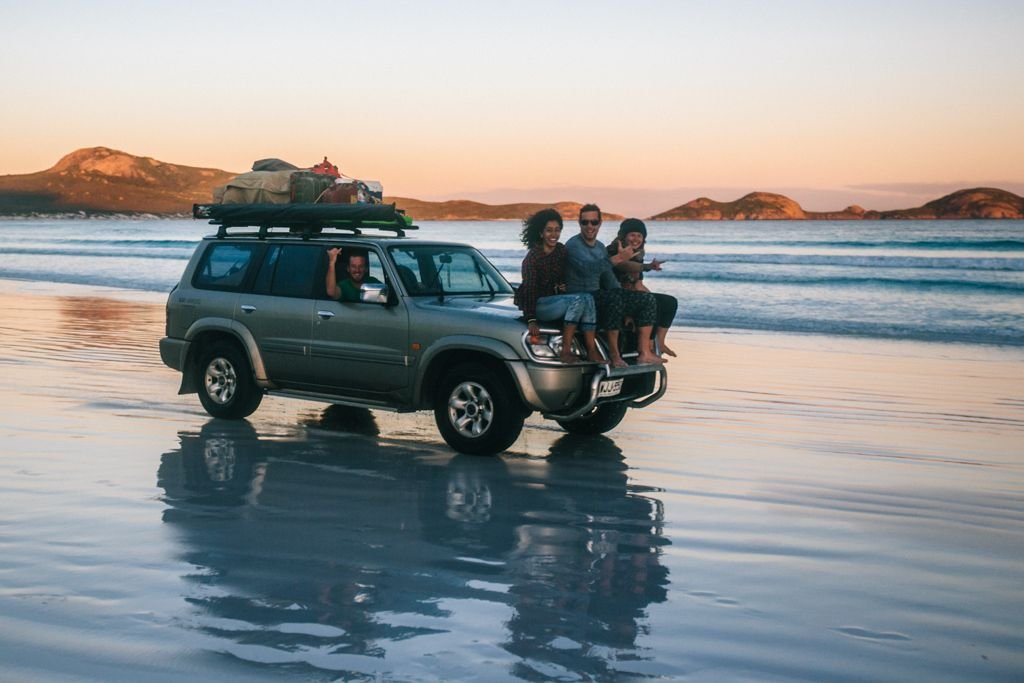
[797,507]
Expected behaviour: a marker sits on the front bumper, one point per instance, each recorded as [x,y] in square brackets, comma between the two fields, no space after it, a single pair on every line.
[637,389]
[565,392]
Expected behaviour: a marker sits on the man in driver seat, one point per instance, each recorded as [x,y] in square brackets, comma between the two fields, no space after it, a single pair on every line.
[347,289]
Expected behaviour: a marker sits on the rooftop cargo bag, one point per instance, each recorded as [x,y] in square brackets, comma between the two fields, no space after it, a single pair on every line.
[307,186]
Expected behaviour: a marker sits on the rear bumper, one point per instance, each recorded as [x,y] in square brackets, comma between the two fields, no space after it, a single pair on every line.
[174,352]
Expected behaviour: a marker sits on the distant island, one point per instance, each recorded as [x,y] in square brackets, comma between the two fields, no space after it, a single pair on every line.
[101,181]
[464,210]
[979,202]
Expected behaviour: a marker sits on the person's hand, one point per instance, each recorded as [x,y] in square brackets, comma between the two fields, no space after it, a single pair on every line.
[625,251]
[534,332]
[332,255]
[656,264]
[560,288]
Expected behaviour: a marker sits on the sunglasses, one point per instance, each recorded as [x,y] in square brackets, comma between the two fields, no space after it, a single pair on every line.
[585,223]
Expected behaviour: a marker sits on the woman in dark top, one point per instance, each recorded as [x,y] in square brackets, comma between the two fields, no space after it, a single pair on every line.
[541,294]
[633,232]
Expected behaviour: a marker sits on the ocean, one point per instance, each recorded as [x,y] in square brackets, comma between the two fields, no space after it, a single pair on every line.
[833,502]
[957,281]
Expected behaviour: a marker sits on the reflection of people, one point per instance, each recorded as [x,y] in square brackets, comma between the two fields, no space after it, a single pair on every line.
[590,270]
[347,289]
[633,232]
[587,560]
[542,292]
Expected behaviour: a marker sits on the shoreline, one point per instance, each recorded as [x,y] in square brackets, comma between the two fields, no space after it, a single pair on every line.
[853,342]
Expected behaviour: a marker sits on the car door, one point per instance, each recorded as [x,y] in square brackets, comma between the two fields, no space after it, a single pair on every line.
[279,311]
[362,348]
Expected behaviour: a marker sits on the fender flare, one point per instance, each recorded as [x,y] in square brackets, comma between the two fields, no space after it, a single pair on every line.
[237,330]
[498,350]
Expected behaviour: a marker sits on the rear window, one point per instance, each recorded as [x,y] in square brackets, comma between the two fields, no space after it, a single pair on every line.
[224,266]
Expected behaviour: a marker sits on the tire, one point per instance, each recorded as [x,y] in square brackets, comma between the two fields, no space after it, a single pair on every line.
[476,411]
[227,388]
[601,419]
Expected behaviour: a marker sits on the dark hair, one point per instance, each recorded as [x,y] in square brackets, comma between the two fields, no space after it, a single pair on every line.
[591,207]
[533,227]
[349,252]
[632,225]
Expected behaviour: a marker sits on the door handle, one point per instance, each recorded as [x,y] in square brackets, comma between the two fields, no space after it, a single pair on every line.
[325,315]
[247,308]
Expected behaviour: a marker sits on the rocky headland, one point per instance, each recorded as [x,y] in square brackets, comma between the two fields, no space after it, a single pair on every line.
[979,202]
[463,210]
[104,181]
[100,180]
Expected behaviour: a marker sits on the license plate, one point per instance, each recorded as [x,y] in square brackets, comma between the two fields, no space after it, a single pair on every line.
[610,387]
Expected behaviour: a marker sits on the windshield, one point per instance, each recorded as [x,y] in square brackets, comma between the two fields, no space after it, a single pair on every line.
[433,269]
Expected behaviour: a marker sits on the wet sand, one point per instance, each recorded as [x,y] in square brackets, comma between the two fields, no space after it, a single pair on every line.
[795,508]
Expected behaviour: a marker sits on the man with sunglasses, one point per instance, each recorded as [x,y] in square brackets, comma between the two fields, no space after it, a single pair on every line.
[589,269]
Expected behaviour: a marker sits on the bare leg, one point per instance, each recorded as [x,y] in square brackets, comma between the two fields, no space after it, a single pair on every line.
[567,356]
[660,333]
[589,340]
[643,343]
[613,349]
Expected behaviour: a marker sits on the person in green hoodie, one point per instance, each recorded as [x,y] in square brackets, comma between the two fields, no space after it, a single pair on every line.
[347,289]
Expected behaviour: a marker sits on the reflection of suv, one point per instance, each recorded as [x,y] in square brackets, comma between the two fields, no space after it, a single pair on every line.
[251,316]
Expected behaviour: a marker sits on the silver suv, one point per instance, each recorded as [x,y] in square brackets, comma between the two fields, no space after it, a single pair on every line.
[439,331]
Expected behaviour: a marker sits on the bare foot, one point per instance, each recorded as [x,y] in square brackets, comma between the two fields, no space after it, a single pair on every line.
[568,358]
[617,362]
[649,359]
[665,349]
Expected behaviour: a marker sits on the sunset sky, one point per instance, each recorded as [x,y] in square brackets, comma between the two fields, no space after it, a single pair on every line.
[640,105]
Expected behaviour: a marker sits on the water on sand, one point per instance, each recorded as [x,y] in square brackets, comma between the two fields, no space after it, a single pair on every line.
[796,508]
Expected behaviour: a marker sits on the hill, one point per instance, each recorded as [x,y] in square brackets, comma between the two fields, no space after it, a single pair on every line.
[99,180]
[749,207]
[104,180]
[463,210]
[979,202]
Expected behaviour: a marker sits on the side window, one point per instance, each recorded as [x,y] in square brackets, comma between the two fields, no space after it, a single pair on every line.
[288,270]
[224,266]
[265,278]
[408,270]
[374,272]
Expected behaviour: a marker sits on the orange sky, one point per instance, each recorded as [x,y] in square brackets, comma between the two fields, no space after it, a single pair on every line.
[878,103]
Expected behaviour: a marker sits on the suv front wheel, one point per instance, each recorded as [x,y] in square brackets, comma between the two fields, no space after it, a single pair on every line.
[227,388]
[476,412]
[601,419]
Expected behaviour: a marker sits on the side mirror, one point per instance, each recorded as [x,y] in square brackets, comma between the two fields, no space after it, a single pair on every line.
[373,293]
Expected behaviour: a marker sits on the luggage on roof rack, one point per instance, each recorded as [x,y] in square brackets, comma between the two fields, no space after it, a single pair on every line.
[306,218]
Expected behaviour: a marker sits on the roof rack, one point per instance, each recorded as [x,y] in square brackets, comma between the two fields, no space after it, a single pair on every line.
[307,219]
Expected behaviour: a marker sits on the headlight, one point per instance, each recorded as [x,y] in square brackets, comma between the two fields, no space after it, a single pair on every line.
[548,346]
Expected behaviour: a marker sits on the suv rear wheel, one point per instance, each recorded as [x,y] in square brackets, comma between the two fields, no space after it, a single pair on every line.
[476,412]
[226,385]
